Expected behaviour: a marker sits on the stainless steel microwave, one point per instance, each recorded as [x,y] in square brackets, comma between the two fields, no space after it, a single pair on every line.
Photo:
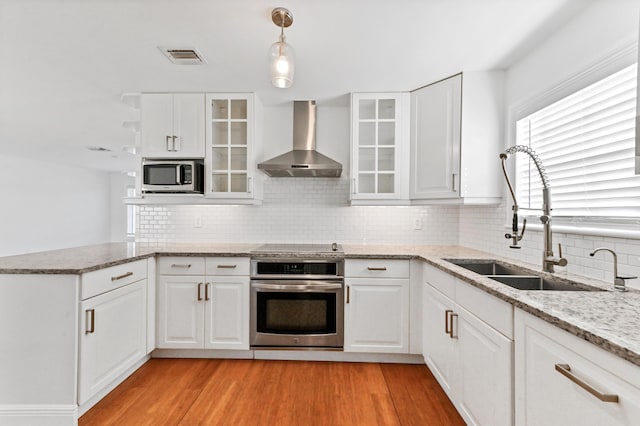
[173,176]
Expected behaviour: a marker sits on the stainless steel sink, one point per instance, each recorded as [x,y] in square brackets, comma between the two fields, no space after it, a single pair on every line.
[489,267]
[517,277]
[539,283]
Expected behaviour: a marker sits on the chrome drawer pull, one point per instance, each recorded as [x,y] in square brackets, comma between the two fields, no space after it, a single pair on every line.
[228,266]
[199,290]
[565,370]
[206,291]
[180,265]
[372,268]
[451,328]
[92,323]
[119,277]
[446,321]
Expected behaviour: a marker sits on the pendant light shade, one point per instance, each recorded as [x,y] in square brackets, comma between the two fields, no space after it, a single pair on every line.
[282,63]
[281,54]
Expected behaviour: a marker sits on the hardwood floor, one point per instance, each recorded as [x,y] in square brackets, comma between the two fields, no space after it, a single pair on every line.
[254,392]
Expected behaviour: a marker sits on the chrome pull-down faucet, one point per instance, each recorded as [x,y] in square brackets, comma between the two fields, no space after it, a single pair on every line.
[619,282]
[549,260]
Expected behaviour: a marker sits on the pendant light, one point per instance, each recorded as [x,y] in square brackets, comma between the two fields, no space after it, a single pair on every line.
[281,55]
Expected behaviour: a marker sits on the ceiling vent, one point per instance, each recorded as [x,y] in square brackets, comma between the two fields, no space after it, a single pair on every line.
[183,55]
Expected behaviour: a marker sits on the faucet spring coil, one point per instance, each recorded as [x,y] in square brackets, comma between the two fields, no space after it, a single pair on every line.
[536,160]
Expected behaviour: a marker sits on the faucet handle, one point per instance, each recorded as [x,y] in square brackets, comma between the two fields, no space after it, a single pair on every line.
[620,282]
[561,261]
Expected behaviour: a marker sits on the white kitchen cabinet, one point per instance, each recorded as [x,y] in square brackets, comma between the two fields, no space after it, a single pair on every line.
[379,147]
[439,348]
[180,311]
[209,311]
[377,306]
[456,137]
[113,338]
[470,358]
[233,143]
[545,396]
[172,125]
[227,313]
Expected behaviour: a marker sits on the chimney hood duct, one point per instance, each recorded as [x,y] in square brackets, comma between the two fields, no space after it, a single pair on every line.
[303,160]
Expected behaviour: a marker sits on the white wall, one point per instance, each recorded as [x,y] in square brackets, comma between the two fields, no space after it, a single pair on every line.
[49,206]
[597,34]
[118,210]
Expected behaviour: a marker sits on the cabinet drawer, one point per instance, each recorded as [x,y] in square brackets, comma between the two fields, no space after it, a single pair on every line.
[227,265]
[181,265]
[495,312]
[556,373]
[377,268]
[103,280]
[440,280]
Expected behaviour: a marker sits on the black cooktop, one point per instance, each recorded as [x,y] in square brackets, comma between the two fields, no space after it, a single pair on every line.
[299,249]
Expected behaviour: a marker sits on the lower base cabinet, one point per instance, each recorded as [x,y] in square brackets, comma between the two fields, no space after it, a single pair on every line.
[377,315]
[113,336]
[471,360]
[561,379]
[203,310]
[376,308]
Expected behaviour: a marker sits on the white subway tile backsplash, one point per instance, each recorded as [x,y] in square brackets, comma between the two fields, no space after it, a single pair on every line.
[299,210]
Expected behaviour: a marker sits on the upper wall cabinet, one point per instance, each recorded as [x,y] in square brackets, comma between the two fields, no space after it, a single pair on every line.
[456,137]
[379,148]
[172,125]
[232,146]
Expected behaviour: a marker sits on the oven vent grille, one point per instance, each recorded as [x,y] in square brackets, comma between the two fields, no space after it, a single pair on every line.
[183,56]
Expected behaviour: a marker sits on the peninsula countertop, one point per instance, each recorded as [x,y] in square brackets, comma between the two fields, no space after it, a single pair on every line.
[608,319]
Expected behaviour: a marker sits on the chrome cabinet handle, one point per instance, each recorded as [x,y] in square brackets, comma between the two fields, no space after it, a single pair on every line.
[565,370]
[453,182]
[178,265]
[227,266]
[119,277]
[451,326]
[372,268]
[249,184]
[199,291]
[174,144]
[446,321]
[348,294]
[354,190]
[92,314]
[206,291]
[167,139]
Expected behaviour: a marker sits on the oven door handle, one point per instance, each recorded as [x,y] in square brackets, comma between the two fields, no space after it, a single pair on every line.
[315,287]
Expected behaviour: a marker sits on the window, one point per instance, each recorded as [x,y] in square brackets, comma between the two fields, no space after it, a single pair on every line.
[586,144]
[131,214]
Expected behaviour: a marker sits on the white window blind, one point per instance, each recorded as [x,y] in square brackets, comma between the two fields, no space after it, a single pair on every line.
[586,144]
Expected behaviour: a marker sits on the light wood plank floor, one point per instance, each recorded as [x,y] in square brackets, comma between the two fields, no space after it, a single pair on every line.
[254,392]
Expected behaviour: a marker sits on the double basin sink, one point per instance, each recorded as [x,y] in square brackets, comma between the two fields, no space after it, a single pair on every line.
[517,277]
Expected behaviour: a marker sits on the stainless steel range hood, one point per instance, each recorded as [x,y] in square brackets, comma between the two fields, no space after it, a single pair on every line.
[303,160]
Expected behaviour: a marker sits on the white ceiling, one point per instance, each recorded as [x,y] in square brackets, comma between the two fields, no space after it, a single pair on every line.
[65,63]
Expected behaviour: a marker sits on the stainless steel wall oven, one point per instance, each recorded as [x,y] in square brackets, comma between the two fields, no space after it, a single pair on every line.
[297,303]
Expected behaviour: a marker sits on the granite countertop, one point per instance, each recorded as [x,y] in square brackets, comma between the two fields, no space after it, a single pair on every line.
[608,319]
[79,260]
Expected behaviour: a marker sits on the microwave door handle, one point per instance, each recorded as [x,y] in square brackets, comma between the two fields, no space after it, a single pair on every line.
[179,174]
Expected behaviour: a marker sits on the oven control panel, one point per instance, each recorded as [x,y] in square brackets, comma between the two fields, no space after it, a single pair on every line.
[296,268]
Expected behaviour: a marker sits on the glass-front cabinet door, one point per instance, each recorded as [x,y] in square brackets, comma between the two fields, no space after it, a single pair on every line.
[379,142]
[230,160]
